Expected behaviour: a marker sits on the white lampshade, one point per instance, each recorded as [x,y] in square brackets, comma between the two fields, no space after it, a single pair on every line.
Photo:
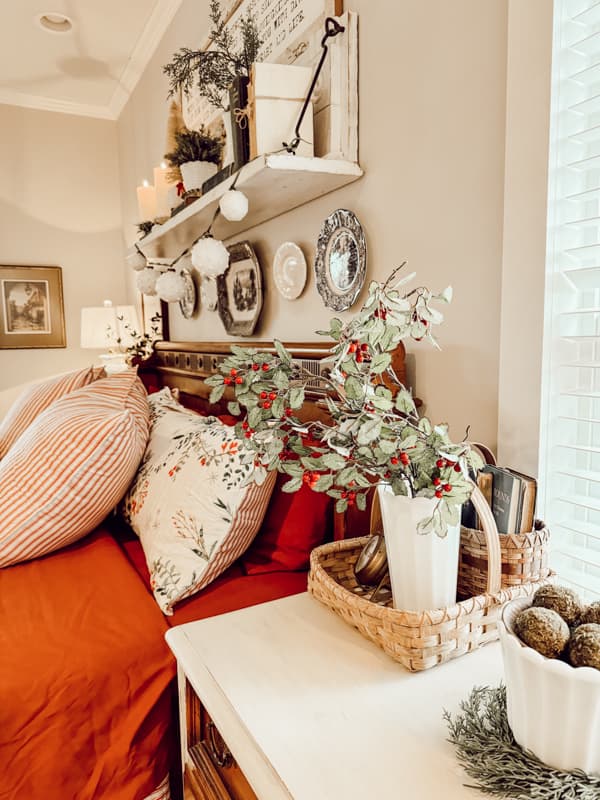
[108,327]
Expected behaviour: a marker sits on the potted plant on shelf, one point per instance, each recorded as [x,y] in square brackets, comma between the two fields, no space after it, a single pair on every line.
[374,437]
[197,155]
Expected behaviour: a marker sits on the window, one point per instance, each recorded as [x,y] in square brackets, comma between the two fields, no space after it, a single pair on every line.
[570,435]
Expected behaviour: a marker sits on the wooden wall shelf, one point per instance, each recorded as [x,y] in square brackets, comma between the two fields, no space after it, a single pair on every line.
[274,184]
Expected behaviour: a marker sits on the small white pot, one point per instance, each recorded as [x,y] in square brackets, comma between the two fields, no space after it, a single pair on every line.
[553,708]
[194,173]
[423,568]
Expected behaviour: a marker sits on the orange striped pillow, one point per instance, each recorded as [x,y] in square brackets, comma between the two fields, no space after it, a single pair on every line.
[190,503]
[35,399]
[71,466]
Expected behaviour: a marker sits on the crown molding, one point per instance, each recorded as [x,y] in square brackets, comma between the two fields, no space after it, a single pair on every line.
[40,103]
[145,47]
[155,28]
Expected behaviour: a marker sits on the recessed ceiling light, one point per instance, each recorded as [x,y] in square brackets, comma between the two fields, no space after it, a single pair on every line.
[53,22]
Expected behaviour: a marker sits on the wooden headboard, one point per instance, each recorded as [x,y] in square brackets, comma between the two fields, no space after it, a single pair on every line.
[185,366]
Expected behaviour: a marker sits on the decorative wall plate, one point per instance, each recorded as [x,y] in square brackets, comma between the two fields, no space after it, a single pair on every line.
[208,292]
[187,304]
[289,270]
[240,291]
[341,261]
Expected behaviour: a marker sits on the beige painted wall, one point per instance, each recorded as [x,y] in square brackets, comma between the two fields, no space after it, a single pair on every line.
[432,111]
[522,302]
[59,206]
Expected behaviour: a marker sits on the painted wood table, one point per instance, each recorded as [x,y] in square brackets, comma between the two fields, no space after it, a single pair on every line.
[311,710]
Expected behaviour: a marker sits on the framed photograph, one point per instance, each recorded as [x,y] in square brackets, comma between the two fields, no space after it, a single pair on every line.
[31,307]
[341,261]
[239,291]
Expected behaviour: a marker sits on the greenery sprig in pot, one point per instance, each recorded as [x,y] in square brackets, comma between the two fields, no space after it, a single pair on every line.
[375,436]
[197,155]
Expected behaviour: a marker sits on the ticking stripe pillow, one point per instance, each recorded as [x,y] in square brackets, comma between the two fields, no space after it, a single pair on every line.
[189,503]
[36,398]
[71,466]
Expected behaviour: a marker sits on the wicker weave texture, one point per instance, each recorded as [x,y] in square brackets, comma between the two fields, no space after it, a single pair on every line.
[417,640]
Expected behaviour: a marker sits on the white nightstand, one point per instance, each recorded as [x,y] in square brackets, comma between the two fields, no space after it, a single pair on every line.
[311,710]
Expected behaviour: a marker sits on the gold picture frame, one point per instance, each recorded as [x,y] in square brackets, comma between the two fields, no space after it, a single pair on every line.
[32,313]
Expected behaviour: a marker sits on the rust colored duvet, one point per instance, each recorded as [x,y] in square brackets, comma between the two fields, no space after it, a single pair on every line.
[85,678]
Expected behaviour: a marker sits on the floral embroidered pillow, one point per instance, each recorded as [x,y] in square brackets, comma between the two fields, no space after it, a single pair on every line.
[190,503]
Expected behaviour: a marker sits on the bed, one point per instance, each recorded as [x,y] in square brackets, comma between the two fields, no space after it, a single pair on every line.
[87,689]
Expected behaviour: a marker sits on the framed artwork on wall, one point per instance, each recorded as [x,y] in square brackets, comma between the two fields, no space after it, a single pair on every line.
[32,311]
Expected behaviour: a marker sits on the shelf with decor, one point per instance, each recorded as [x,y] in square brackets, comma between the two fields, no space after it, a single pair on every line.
[273,184]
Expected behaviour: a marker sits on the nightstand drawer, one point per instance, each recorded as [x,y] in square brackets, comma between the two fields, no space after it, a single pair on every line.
[211,772]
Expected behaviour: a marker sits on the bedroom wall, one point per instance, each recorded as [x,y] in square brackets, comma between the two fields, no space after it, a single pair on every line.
[432,122]
[59,206]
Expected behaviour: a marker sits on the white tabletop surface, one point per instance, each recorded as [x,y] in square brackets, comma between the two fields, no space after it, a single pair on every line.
[313,711]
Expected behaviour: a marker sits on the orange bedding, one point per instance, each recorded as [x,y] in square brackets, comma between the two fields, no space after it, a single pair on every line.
[85,678]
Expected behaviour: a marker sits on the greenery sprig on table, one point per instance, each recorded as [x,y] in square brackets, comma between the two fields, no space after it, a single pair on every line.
[142,345]
[212,71]
[374,436]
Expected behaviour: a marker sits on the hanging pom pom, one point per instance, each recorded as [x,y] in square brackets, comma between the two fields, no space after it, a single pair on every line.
[146,281]
[137,260]
[210,256]
[234,205]
[170,287]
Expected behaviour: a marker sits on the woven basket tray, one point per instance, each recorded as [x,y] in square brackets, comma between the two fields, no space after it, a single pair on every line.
[418,640]
[524,559]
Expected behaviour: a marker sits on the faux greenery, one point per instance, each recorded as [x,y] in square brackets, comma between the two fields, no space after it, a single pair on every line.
[145,227]
[142,346]
[194,146]
[488,752]
[375,434]
[212,71]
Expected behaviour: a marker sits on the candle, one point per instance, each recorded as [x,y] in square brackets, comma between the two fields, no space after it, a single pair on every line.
[162,186]
[146,196]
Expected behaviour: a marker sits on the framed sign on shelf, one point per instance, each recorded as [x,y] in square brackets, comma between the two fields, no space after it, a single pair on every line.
[32,311]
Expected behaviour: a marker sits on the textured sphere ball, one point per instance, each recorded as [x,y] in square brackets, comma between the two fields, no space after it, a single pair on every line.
[234,205]
[210,256]
[543,630]
[170,287]
[146,281]
[584,646]
[564,601]
[591,613]
[137,261]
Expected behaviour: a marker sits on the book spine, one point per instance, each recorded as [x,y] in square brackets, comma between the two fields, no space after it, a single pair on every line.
[240,123]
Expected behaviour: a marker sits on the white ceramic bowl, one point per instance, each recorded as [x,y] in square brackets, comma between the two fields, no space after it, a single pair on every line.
[553,708]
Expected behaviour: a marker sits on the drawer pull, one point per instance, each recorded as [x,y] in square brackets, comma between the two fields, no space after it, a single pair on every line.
[219,751]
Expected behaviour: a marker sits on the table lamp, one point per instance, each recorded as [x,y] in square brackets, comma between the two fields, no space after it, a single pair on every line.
[109,328]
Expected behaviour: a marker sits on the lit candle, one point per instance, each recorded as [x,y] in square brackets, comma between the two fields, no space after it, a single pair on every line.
[162,186]
[146,196]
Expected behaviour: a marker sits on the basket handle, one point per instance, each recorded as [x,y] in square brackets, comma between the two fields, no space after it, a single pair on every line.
[494,577]
[492,540]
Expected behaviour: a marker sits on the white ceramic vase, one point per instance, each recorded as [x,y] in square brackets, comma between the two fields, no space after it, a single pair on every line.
[553,709]
[423,568]
[194,173]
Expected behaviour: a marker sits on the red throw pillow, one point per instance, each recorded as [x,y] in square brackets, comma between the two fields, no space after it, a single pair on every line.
[294,524]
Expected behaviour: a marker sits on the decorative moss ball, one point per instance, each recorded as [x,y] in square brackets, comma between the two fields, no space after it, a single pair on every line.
[564,601]
[542,629]
[584,646]
[591,613]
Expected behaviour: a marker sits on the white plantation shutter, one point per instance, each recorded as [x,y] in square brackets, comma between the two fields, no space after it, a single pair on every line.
[570,432]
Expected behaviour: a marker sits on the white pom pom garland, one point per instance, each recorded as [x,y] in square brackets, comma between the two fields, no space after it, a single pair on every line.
[234,205]
[137,261]
[170,287]
[210,256]
[146,281]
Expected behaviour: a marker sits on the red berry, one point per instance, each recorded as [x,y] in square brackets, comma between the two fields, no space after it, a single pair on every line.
[248,434]
[233,373]
[245,424]
[440,463]
[352,348]
[457,468]
[388,474]
[344,495]
[449,463]
[239,380]
[436,481]
[439,494]
[263,395]
[265,367]
[364,347]
[404,458]
[272,395]
[394,460]
[255,367]
[359,357]
[227,381]
[266,404]
[376,314]
[288,412]
[447,487]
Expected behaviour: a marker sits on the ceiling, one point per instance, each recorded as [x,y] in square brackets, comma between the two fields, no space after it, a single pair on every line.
[90,70]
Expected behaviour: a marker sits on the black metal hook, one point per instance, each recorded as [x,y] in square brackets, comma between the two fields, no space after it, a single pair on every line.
[332,28]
